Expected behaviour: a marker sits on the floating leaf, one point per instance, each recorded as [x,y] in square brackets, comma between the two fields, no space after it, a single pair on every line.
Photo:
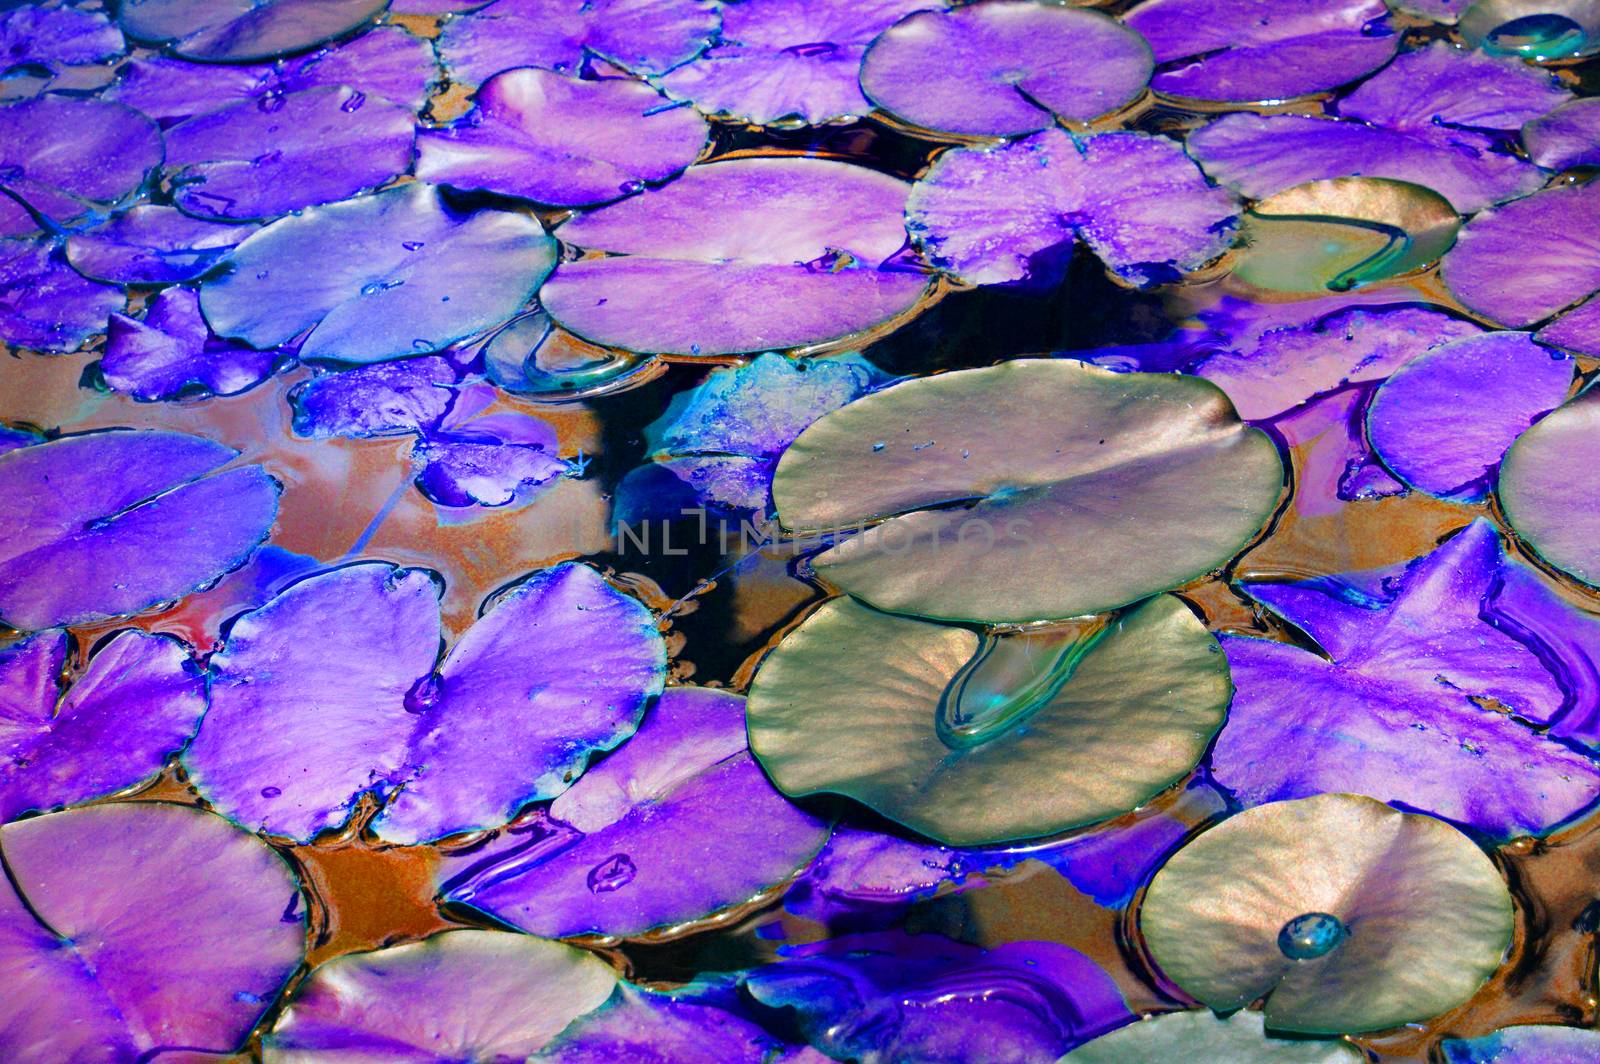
[138,701]
[1445,11]
[642,36]
[57,36]
[1534,1044]
[906,717]
[497,460]
[555,139]
[260,158]
[112,523]
[1261,51]
[65,157]
[142,928]
[644,841]
[997,214]
[237,31]
[1539,30]
[1136,483]
[1566,137]
[172,354]
[1546,480]
[387,399]
[1411,701]
[1443,422]
[460,995]
[740,256]
[44,303]
[1005,67]
[152,245]
[299,727]
[380,277]
[1342,233]
[1344,914]
[928,999]
[786,61]
[638,1025]
[527,356]
[1238,1039]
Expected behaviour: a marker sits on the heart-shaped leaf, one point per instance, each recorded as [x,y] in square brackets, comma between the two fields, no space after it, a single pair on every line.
[172,354]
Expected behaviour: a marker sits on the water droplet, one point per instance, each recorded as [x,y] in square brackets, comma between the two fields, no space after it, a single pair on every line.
[372,288]
[614,873]
[412,245]
[267,158]
[1311,935]
[424,694]
[815,48]
[880,445]
[271,792]
[1541,36]
[271,102]
[628,188]
[353,104]
[1011,677]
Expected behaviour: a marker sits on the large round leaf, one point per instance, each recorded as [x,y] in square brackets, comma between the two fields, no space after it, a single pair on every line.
[1566,137]
[237,31]
[112,523]
[1032,490]
[1547,480]
[740,256]
[458,996]
[868,705]
[1415,916]
[152,245]
[1533,1044]
[133,929]
[66,157]
[1203,1036]
[637,1025]
[379,277]
[44,303]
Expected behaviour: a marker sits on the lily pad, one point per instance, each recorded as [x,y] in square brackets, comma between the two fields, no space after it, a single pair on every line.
[1519,263]
[171,354]
[1035,537]
[260,158]
[740,256]
[555,139]
[638,1025]
[641,36]
[55,37]
[643,841]
[1262,51]
[1238,1039]
[1547,478]
[1534,1044]
[1005,67]
[300,727]
[928,999]
[460,995]
[45,304]
[992,215]
[1414,700]
[494,460]
[1447,12]
[112,523]
[1541,30]
[1566,137]
[787,61]
[137,702]
[972,741]
[152,245]
[386,399]
[384,276]
[238,31]
[1342,233]
[65,157]
[1444,421]
[204,927]
[1416,916]
[527,356]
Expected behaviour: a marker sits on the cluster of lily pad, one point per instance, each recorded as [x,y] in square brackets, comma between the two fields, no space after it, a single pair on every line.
[1012,665]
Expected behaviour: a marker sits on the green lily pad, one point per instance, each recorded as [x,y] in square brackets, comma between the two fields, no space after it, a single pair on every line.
[1038,489]
[973,740]
[1343,233]
[1202,1036]
[1547,482]
[1345,914]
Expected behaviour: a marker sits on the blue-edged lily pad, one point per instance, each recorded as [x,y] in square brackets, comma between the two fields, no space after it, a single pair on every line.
[171,354]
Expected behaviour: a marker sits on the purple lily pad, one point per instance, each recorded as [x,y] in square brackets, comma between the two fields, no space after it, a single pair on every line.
[112,523]
[56,37]
[238,31]
[1576,330]
[65,157]
[460,995]
[1443,422]
[1400,709]
[643,841]
[387,62]
[45,304]
[1534,1044]
[387,399]
[638,1025]
[740,256]
[12,439]
[204,926]
[1005,67]
[280,152]
[1336,463]
[641,36]
[1523,261]
[1568,640]
[555,139]
[924,998]
[558,670]
[991,215]
[782,61]
[1259,51]
[152,245]
[1566,137]
[1268,373]
[172,354]
[1444,86]
[380,277]
[137,702]
[496,460]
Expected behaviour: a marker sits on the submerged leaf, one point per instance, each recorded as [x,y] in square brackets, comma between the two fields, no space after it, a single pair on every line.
[496,460]
[236,31]
[172,354]
[1534,1044]
[152,245]
[1203,1036]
